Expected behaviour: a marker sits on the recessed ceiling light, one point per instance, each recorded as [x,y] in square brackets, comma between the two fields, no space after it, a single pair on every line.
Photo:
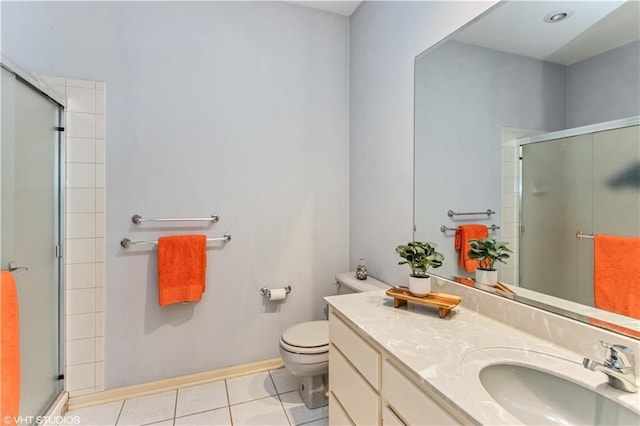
[557,16]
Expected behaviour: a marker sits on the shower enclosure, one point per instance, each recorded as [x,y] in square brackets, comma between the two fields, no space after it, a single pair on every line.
[581,180]
[31,152]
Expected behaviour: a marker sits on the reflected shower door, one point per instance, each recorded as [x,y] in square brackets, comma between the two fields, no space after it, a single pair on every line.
[30,229]
[557,201]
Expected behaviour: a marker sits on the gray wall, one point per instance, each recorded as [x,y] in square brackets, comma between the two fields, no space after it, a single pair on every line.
[237,108]
[385,39]
[464,96]
[604,87]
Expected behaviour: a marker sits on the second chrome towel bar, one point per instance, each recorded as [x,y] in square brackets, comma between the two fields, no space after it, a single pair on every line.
[137,219]
[446,228]
[127,242]
[451,213]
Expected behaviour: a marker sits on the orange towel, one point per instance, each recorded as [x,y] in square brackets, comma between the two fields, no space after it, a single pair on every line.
[182,261]
[9,348]
[616,274]
[464,234]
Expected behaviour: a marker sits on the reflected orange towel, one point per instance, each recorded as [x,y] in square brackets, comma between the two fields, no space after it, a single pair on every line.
[182,261]
[616,274]
[9,348]
[464,234]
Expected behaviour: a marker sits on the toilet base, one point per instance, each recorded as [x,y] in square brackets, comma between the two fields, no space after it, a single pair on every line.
[312,390]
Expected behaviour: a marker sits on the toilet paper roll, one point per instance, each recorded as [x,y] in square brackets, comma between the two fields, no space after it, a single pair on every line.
[277,294]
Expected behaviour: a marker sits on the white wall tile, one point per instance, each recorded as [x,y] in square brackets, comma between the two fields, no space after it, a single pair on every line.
[80,377]
[99,329]
[99,101]
[81,200]
[80,250]
[79,392]
[99,274]
[99,348]
[99,175]
[99,250]
[81,125]
[99,231]
[81,225]
[99,200]
[81,99]
[81,301]
[80,275]
[80,175]
[99,376]
[81,150]
[99,123]
[74,82]
[99,156]
[80,326]
[100,85]
[80,351]
[99,301]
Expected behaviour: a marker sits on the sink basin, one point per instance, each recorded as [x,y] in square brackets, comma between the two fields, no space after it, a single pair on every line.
[538,397]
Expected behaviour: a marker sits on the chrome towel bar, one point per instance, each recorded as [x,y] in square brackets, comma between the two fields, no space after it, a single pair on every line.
[137,219]
[580,235]
[127,242]
[446,228]
[451,213]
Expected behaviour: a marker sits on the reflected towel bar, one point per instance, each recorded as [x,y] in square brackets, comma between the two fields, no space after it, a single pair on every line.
[580,235]
[137,219]
[446,228]
[127,242]
[451,213]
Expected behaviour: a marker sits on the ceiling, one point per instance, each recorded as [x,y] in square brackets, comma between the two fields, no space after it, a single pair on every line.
[345,8]
[592,28]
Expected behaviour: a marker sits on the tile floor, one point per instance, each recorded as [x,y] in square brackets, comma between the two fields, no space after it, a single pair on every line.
[264,399]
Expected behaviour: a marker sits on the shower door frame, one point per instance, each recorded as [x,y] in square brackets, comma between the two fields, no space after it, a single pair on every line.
[33,82]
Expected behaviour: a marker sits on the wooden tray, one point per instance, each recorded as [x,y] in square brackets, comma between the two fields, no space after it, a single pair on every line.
[444,302]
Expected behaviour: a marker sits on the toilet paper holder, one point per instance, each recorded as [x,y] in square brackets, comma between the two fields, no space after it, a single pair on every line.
[267,292]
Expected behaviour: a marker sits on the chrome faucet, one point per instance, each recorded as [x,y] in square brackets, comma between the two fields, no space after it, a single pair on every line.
[619,365]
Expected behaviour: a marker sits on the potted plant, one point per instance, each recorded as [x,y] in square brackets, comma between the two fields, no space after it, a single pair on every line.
[420,256]
[487,251]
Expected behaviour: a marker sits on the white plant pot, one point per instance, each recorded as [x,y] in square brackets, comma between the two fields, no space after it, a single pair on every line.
[486,277]
[420,286]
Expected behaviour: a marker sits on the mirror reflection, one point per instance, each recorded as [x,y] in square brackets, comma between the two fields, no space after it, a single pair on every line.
[526,123]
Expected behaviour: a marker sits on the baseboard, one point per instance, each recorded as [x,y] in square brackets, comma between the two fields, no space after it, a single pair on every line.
[172,383]
[58,408]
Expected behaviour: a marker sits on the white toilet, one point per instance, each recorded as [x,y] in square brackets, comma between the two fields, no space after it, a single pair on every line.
[304,347]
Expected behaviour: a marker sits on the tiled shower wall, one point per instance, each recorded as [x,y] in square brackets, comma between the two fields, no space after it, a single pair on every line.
[510,202]
[84,239]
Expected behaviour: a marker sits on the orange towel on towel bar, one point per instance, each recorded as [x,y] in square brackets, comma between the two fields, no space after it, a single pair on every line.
[616,274]
[182,261]
[464,234]
[9,348]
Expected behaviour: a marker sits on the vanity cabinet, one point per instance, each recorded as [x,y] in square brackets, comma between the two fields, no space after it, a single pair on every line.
[367,388]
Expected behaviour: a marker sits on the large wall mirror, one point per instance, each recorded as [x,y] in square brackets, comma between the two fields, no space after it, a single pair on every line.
[528,118]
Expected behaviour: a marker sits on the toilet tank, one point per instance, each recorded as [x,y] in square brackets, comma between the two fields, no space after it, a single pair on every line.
[347,282]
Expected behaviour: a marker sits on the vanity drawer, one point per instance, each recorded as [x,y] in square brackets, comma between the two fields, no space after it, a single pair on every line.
[410,402]
[355,395]
[363,357]
[337,416]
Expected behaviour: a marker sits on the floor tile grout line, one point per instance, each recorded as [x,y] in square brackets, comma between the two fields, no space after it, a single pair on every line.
[226,389]
[175,408]
[120,412]
[286,415]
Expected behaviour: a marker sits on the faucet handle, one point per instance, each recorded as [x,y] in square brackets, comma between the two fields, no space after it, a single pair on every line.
[619,356]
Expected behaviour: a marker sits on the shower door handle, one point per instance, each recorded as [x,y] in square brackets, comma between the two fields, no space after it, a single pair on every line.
[16,269]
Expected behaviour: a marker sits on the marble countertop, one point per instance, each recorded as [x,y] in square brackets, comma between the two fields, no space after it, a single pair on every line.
[434,350]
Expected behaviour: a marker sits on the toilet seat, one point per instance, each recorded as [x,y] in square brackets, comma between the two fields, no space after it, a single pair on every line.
[311,337]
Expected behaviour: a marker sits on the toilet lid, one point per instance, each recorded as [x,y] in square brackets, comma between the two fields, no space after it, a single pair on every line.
[309,334]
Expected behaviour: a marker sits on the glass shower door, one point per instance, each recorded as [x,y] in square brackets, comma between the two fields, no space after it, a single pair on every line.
[30,229]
